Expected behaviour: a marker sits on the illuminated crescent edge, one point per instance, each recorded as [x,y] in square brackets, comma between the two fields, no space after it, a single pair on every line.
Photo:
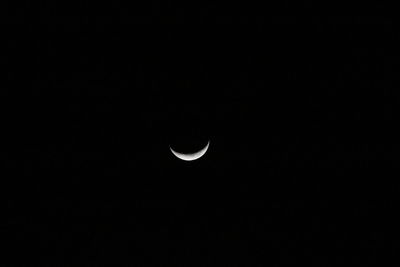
[191,156]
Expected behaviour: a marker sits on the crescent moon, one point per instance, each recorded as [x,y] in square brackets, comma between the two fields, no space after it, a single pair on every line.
[191,156]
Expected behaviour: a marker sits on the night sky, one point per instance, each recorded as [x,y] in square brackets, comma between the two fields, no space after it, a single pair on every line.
[300,113]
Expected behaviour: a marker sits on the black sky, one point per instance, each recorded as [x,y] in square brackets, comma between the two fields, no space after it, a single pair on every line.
[300,113]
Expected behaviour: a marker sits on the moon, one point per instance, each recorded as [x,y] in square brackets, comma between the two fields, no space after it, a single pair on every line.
[191,156]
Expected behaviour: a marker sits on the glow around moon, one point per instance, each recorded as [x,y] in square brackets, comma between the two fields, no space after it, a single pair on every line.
[191,156]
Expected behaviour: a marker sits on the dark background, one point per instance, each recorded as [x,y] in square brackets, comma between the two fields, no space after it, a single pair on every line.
[300,112]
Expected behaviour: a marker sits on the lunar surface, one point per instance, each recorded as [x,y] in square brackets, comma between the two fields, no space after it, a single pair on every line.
[191,156]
